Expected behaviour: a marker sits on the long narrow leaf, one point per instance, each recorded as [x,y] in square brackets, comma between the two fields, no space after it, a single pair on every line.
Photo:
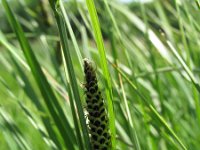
[63,36]
[101,49]
[159,117]
[46,91]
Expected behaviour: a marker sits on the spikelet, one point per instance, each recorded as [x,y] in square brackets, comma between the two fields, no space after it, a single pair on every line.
[97,115]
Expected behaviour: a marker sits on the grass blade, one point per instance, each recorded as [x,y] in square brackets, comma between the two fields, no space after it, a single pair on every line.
[12,127]
[46,91]
[104,65]
[185,67]
[29,91]
[159,117]
[63,35]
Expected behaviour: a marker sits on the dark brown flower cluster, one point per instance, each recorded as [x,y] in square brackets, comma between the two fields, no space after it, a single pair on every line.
[97,115]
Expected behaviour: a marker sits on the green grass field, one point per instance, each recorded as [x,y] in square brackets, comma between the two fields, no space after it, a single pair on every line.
[146,57]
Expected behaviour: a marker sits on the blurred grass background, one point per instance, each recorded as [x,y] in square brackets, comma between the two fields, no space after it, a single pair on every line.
[152,51]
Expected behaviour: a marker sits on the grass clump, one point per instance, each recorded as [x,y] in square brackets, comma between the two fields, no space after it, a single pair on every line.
[147,55]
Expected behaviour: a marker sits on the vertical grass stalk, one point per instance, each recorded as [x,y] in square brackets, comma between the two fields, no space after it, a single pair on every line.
[104,65]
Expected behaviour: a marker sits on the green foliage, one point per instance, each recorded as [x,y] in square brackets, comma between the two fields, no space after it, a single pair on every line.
[147,65]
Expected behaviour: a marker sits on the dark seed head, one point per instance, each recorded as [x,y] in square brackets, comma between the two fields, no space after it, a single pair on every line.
[92,90]
[103,126]
[93,129]
[99,131]
[96,87]
[88,96]
[104,148]
[96,107]
[102,140]
[94,137]
[94,101]
[92,83]
[89,106]
[96,147]
[101,104]
[97,96]
[105,135]
[102,110]
[102,118]
[97,123]
[97,115]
